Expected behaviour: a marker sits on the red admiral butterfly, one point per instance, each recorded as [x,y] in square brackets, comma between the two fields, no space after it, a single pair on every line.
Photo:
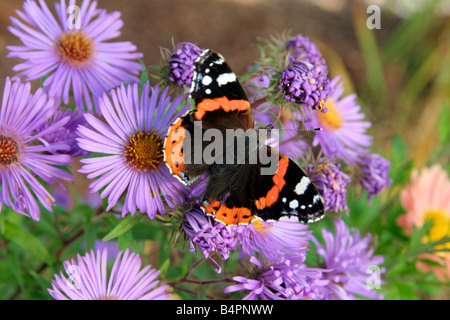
[237,192]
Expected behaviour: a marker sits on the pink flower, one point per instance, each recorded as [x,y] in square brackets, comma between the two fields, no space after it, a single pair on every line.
[77,57]
[428,192]
[427,197]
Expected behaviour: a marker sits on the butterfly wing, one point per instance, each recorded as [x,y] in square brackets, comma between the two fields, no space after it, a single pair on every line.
[221,103]
[254,194]
[219,97]
[286,194]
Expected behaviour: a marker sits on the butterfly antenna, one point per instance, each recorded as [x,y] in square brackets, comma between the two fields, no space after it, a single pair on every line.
[313,129]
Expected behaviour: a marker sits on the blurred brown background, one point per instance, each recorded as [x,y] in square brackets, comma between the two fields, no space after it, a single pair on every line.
[228,26]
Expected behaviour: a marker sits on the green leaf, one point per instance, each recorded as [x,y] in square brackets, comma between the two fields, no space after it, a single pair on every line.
[401,163]
[411,32]
[444,128]
[126,241]
[164,268]
[144,75]
[16,271]
[406,291]
[2,223]
[43,283]
[123,226]
[416,244]
[399,151]
[26,241]
[91,235]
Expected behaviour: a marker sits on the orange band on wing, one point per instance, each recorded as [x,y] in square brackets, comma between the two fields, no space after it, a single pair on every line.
[172,148]
[221,103]
[228,216]
[279,183]
[234,216]
[212,207]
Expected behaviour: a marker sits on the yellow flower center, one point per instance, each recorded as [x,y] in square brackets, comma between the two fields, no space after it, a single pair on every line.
[9,150]
[144,151]
[331,120]
[75,47]
[440,227]
[260,227]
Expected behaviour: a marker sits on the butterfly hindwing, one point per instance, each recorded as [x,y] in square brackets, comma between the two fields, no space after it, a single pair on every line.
[286,194]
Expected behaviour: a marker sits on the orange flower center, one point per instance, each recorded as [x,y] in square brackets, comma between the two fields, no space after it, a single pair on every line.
[9,150]
[331,120]
[75,47]
[144,151]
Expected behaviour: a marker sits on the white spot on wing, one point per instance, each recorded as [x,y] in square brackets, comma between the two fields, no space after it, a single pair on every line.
[301,187]
[225,78]
[206,80]
[293,204]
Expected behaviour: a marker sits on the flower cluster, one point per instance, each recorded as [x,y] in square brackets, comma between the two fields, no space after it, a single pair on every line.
[94,107]
[345,273]
[305,79]
[181,63]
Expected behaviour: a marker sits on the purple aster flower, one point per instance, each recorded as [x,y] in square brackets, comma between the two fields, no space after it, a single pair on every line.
[305,84]
[199,187]
[331,183]
[302,48]
[305,80]
[209,235]
[281,280]
[67,134]
[89,279]
[284,238]
[343,133]
[181,63]
[375,174]
[23,155]
[284,135]
[131,147]
[303,282]
[73,50]
[267,284]
[257,88]
[350,262]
